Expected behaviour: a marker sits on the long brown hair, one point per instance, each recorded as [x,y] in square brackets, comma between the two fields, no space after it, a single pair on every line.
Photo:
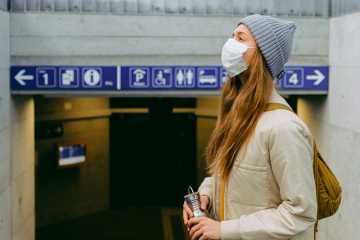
[243,100]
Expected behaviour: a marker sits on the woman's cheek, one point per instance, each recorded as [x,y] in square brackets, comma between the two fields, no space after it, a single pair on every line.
[247,57]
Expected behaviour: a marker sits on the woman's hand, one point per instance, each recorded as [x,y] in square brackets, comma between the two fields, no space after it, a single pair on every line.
[204,228]
[187,213]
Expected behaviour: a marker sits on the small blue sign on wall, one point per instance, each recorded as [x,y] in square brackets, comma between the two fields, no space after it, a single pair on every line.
[71,154]
[118,79]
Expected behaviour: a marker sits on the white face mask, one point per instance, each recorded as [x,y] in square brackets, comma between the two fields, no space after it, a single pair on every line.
[232,57]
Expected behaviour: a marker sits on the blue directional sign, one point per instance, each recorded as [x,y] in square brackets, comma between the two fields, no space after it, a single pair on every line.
[150,78]
[63,78]
[305,78]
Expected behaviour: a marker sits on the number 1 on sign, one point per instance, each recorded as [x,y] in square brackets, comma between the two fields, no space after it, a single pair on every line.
[46,78]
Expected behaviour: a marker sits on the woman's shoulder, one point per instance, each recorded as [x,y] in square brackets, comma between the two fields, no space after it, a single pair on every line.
[280,120]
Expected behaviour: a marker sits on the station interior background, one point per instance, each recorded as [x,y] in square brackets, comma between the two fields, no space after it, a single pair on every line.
[142,154]
[144,151]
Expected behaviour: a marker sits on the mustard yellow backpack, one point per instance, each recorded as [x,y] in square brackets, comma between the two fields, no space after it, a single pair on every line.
[328,189]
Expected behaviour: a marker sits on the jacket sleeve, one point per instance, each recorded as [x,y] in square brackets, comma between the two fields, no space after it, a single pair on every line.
[206,188]
[291,158]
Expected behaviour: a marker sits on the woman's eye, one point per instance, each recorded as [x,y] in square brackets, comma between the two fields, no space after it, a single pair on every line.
[237,36]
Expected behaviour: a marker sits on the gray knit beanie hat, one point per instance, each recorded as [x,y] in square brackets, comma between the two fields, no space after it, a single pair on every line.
[274,37]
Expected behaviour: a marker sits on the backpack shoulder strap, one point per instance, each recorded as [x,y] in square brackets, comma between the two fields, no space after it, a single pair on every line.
[273,106]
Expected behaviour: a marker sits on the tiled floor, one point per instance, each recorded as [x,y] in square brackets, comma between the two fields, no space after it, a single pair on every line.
[128,224]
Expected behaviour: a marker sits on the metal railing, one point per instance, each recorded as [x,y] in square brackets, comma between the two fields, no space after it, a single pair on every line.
[318,8]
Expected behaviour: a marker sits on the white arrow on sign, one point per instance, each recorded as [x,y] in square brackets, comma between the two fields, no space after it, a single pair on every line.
[318,77]
[20,77]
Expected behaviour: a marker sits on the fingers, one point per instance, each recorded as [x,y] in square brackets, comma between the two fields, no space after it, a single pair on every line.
[197,234]
[194,221]
[203,237]
[187,213]
[185,217]
[194,229]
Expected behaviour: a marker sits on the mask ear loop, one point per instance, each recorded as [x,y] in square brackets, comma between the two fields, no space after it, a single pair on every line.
[250,46]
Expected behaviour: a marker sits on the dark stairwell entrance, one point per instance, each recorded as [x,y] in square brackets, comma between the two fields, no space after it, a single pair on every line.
[153,154]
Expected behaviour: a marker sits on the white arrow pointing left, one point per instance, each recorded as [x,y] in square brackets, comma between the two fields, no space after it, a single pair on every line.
[318,77]
[20,77]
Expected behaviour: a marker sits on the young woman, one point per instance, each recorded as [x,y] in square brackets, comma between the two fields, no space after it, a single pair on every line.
[260,162]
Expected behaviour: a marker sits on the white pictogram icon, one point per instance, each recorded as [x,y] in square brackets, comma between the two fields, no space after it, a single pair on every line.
[185,77]
[206,78]
[92,77]
[317,77]
[162,77]
[189,77]
[180,77]
[68,77]
[139,77]
[21,77]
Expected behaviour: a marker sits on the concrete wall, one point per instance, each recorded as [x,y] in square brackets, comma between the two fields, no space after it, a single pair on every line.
[107,39]
[5,130]
[22,168]
[185,7]
[342,7]
[16,152]
[64,194]
[336,122]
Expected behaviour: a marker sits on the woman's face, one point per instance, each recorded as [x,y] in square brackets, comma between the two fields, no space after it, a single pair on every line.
[243,34]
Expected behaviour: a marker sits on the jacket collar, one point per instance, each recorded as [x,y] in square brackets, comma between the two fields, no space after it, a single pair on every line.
[277,98]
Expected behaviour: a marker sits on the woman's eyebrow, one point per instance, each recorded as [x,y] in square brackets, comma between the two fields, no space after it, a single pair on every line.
[243,33]
[240,33]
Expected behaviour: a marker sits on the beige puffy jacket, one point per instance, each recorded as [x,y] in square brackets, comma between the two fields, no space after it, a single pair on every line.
[271,190]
